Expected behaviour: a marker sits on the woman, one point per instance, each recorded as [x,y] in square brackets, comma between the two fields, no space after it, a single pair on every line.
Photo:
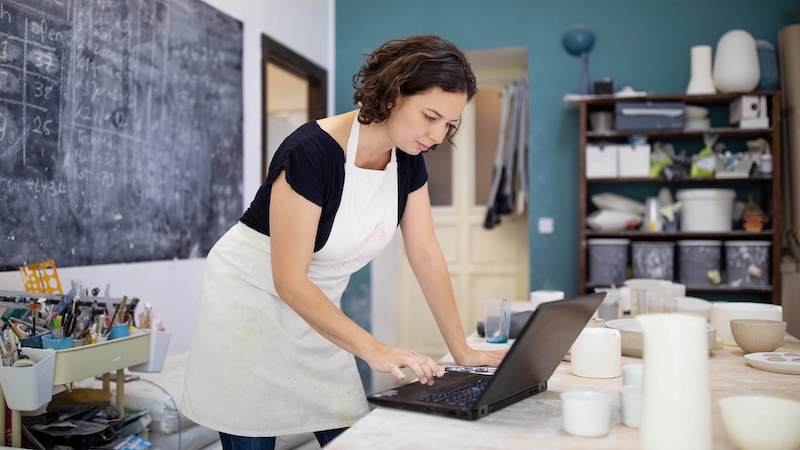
[272,353]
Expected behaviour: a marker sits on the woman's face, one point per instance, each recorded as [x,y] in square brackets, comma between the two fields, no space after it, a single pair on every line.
[419,121]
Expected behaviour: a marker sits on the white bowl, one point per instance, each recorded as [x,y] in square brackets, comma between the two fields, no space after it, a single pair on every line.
[723,312]
[694,306]
[695,112]
[763,423]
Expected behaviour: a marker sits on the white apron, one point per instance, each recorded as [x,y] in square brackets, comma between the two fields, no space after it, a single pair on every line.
[256,368]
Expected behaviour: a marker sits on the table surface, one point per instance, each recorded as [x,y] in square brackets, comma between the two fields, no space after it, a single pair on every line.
[536,421]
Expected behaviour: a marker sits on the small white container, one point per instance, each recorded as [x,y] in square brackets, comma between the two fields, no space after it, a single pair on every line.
[586,413]
[630,401]
[159,344]
[539,297]
[634,160]
[601,161]
[597,353]
[632,374]
[706,209]
[29,388]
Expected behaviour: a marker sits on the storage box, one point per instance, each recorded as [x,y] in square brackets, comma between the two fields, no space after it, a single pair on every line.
[747,263]
[649,115]
[608,261]
[634,160]
[87,361]
[749,111]
[29,388]
[601,161]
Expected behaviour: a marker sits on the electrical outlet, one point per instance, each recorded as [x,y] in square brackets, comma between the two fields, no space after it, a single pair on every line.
[546,225]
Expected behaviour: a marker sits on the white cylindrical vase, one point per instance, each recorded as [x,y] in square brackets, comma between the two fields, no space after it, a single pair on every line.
[701,81]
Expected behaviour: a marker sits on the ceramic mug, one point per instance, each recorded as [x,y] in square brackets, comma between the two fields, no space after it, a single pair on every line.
[597,353]
[586,413]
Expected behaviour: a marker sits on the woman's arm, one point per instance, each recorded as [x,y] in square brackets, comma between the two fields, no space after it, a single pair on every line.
[430,269]
[293,224]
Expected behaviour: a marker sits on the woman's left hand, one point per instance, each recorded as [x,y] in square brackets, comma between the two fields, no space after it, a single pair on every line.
[481,358]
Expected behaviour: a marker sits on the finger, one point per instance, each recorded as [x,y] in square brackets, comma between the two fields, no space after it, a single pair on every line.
[427,365]
[431,368]
[417,369]
[394,370]
[437,369]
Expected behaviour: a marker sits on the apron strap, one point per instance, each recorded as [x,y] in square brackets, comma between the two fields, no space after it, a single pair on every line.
[352,144]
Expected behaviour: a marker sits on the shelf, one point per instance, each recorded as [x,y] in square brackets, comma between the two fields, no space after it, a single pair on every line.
[672,235]
[604,100]
[680,134]
[720,288]
[724,288]
[770,185]
[633,180]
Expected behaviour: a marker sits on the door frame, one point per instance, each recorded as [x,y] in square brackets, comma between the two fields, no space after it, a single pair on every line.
[284,57]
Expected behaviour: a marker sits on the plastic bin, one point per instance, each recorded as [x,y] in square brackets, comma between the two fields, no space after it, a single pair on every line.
[696,258]
[87,361]
[706,209]
[159,344]
[747,263]
[608,261]
[29,388]
[654,260]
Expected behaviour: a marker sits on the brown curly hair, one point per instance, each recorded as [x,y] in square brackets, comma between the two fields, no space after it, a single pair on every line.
[407,67]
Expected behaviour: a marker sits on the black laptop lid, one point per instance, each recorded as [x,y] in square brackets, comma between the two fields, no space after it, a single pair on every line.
[538,350]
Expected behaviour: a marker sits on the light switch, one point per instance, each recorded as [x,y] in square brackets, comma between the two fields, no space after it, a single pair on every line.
[546,225]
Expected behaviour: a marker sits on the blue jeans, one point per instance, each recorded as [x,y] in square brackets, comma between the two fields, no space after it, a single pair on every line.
[231,442]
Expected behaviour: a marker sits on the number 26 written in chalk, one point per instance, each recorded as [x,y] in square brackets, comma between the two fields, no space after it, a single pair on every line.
[42,126]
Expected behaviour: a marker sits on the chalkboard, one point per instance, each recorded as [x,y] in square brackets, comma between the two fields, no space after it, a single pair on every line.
[120,130]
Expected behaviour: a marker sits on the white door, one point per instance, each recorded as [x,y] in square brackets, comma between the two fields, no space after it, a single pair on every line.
[483,263]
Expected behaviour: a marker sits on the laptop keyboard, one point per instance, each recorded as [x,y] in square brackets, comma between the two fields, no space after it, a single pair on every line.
[463,397]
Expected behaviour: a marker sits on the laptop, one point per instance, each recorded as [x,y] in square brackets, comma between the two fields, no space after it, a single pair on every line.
[544,340]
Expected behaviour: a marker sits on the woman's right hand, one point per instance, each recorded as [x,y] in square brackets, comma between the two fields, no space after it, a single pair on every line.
[390,359]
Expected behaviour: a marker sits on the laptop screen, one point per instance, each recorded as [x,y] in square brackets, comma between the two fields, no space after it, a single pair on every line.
[538,350]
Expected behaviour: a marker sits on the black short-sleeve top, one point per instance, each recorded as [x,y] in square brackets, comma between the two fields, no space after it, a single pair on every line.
[314,165]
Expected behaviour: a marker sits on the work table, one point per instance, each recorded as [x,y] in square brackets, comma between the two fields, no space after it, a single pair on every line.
[536,421]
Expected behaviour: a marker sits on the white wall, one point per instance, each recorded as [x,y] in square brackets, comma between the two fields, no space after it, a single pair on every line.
[173,287]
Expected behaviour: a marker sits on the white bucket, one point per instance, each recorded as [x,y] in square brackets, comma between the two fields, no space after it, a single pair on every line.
[29,388]
[159,344]
[706,209]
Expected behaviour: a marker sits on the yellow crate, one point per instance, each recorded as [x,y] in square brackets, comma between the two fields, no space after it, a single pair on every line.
[77,363]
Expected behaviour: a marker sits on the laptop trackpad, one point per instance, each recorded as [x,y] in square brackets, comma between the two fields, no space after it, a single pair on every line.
[416,390]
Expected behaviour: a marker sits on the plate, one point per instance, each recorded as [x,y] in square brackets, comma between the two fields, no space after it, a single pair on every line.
[781,362]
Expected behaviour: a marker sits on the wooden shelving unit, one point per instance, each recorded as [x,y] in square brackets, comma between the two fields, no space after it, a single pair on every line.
[770,186]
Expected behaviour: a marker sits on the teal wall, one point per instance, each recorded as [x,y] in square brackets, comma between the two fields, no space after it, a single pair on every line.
[642,43]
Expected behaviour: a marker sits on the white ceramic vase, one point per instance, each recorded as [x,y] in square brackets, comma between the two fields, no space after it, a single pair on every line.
[736,66]
[676,408]
[701,81]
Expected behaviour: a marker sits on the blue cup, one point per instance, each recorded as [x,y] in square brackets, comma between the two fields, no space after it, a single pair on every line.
[56,344]
[119,330]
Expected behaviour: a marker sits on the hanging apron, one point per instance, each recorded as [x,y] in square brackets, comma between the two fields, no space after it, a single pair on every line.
[256,368]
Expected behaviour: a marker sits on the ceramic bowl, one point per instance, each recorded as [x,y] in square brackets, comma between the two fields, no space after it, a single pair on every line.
[723,312]
[694,306]
[633,340]
[755,422]
[695,112]
[754,336]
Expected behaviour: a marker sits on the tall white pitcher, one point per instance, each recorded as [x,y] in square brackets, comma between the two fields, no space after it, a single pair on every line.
[676,409]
